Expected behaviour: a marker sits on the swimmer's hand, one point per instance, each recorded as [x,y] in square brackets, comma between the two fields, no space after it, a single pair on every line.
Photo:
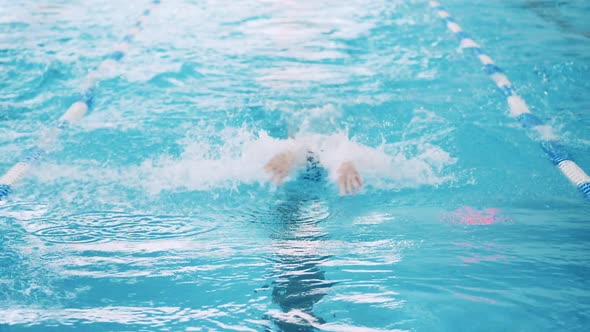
[280,166]
[349,180]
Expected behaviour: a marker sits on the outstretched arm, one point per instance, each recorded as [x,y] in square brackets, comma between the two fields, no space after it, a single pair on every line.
[349,179]
[280,166]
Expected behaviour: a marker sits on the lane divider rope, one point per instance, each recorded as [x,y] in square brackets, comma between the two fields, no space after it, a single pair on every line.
[518,108]
[75,112]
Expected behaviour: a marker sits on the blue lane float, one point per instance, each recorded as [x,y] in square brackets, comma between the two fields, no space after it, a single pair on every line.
[518,108]
[75,112]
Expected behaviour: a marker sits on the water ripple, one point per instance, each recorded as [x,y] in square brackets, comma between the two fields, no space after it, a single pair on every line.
[97,226]
[150,316]
[68,234]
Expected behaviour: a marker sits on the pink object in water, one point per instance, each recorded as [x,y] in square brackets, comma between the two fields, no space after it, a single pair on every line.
[474,259]
[475,298]
[470,216]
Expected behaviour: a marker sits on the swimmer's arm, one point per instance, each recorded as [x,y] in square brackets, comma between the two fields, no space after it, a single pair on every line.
[341,157]
[282,164]
[349,179]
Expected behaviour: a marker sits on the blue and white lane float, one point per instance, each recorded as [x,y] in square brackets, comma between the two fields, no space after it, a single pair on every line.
[518,108]
[75,112]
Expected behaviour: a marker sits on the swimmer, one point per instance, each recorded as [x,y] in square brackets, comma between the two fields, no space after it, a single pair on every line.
[315,136]
[283,163]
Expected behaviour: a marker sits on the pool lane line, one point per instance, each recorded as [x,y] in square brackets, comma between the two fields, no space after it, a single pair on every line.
[518,108]
[75,112]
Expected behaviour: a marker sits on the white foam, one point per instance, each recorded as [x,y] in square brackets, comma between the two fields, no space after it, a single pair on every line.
[315,120]
[203,165]
[22,210]
[241,159]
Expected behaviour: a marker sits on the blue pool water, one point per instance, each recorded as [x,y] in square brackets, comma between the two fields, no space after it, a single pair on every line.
[153,212]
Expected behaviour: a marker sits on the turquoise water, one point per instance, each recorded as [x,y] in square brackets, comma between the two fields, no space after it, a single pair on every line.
[153,212]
